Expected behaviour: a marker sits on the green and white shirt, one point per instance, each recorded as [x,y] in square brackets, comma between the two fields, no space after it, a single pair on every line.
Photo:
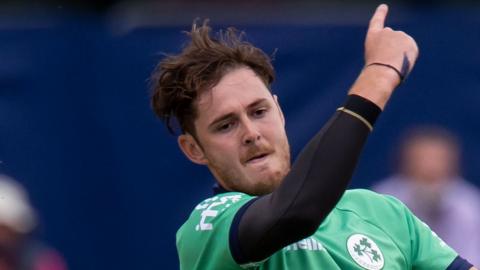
[365,230]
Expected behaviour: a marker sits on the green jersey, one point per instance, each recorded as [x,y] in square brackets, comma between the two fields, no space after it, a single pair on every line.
[365,230]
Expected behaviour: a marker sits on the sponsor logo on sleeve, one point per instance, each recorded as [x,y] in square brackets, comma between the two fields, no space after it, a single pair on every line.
[310,244]
[211,208]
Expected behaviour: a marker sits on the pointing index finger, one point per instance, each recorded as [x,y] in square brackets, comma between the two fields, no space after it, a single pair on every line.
[377,22]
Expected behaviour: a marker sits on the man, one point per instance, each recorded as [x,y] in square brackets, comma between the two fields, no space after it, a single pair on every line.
[267,214]
[18,249]
[429,182]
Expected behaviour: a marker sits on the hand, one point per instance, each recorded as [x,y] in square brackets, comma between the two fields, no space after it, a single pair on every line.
[388,47]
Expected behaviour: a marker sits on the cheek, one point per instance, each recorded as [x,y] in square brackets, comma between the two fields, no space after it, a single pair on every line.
[277,134]
[222,151]
[270,127]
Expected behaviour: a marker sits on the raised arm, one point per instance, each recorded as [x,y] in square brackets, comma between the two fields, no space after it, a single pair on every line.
[323,169]
[389,57]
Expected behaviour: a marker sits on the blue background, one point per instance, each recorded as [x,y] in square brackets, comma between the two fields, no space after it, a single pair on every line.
[108,180]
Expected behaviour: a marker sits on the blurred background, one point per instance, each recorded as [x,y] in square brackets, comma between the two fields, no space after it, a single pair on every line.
[109,185]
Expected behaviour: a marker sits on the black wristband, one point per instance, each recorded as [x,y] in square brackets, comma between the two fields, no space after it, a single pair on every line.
[402,76]
[362,108]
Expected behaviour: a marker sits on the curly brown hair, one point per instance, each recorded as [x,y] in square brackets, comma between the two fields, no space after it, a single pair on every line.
[179,79]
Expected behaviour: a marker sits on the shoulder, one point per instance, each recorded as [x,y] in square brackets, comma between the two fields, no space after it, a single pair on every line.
[464,190]
[361,192]
[357,198]
[215,209]
[379,209]
[206,231]
[413,238]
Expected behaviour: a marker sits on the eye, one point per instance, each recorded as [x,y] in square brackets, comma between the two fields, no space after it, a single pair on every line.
[260,112]
[224,127]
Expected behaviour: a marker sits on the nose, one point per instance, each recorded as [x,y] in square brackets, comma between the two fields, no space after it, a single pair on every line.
[250,134]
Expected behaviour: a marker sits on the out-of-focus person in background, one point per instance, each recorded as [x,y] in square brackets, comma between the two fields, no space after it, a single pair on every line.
[429,182]
[19,250]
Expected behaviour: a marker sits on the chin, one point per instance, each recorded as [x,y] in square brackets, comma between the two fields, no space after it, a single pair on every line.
[265,184]
[256,182]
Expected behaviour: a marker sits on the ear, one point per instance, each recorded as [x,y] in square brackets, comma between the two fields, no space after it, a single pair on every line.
[279,109]
[192,149]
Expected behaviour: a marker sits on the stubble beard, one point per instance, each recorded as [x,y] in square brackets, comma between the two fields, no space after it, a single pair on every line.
[240,182]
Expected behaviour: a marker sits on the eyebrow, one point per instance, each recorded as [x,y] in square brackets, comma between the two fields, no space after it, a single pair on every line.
[232,115]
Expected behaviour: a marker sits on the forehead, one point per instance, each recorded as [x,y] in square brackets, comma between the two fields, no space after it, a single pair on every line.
[429,142]
[237,89]
[432,147]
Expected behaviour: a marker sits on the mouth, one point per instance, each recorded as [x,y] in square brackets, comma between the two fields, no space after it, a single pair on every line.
[257,158]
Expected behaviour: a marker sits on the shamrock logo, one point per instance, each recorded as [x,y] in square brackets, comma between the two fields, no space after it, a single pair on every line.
[358,250]
[365,252]
[365,248]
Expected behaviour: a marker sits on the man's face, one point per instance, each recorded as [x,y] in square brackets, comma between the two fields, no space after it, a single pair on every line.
[430,161]
[240,134]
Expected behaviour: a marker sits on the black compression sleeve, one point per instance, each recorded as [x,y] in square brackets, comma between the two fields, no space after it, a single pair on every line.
[311,189]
